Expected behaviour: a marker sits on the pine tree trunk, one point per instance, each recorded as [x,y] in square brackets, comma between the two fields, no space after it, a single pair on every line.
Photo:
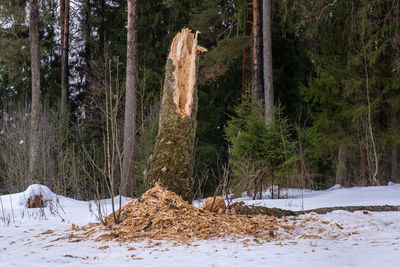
[246,61]
[35,71]
[267,60]
[341,171]
[257,46]
[128,183]
[172,165]
[395,164]
[64,22]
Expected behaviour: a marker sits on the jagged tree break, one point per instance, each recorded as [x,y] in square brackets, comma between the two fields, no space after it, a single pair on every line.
[172,165]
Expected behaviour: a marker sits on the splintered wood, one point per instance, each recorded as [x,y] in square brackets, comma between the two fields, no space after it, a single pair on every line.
[161,214]
[184,53]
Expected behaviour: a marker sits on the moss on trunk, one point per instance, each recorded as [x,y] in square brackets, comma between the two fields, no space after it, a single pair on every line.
[172,165]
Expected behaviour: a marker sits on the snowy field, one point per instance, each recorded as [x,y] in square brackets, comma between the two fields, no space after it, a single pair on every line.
[40,237]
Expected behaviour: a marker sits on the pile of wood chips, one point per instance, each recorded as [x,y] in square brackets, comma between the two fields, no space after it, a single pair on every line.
[162,215]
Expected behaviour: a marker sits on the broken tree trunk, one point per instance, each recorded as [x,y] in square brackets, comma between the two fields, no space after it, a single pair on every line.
[172,165]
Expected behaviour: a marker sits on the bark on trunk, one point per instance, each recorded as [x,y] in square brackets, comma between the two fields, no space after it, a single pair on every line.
[267,60]
[395,164]
[128,183]
[365,168]
[172,165]
[64,22]
[257,46]
[341,171]
[87,37]
[246,62]
[35,71]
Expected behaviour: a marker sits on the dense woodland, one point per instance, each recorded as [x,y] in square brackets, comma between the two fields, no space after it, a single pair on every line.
[302,93]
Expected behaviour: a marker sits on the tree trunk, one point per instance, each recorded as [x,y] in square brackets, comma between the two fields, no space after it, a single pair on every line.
[101,47]
[86,29]
[64,22]
[395,164]
[246,61]
[364,164]
[341,170]
[128,183]
[257,44]
[172,165]
[35,71]
[267,60]
[369,117]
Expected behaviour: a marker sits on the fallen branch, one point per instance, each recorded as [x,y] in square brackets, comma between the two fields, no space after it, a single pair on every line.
[352,209]
[256,210]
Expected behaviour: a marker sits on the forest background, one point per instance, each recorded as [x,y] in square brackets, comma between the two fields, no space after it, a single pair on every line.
[336,80]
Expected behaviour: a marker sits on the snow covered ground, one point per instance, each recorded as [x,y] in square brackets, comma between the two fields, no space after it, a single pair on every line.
[333,197]
[40,237]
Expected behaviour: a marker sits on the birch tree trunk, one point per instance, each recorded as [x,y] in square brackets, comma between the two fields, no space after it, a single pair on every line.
[35,72]
[86,30]
[257,46]
[267,60]
[64,22]
[172,165]
[128,183]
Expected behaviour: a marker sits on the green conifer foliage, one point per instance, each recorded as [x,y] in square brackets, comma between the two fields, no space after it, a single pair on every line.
[353,47]
[261,155]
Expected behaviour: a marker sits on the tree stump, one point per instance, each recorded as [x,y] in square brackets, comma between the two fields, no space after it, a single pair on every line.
[35,202]
[216,204]
[172,165]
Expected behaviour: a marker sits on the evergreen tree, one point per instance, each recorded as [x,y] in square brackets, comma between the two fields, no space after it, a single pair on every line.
[262,155]
[354,85]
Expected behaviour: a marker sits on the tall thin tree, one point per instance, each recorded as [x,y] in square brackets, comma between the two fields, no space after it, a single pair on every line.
[128,183]
[257,50]
[35,72]
[86,31]
[246,58]
[64,23]
[267,62]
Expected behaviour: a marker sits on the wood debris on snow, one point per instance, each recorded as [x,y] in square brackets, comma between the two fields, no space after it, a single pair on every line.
[160,214]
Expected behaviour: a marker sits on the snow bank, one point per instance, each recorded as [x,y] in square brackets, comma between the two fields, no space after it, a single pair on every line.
[298,199]
[335,187]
